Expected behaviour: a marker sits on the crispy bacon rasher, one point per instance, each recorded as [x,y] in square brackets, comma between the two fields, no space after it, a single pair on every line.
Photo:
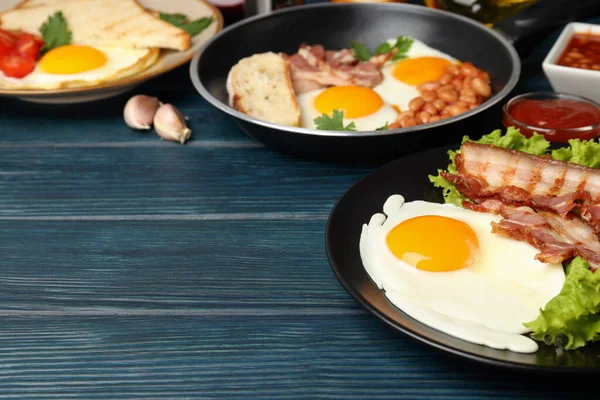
[313,67]
[553,205]
[557,237]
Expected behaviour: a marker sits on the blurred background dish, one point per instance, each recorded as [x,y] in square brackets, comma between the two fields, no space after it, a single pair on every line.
[168,59]
[485,11]
[573,64]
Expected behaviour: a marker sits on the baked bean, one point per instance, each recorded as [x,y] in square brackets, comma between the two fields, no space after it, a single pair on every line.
[453,69]
[575,55]
[424,116]
[429,95]
[586,60]
[406,122]
[468,92]
[439,104]
[481,87]
[430,108]
[485,76]
[394,125]
[435,118]
[584,66]
[468,83]
[407,113]
[596,67]
[445,115]
[449,96]
[446,87]
[446,79]
[456,109]
[468,99]
[433,85]
[457,83]
[416,104]
[468,69]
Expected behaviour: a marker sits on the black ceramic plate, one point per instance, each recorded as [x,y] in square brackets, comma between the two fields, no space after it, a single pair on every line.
[408,176]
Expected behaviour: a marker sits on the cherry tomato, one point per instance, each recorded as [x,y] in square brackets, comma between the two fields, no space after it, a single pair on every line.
[28,45]
[16,66]
[7,42]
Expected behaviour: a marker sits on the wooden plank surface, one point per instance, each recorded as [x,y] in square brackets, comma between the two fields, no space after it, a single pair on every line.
[131,267]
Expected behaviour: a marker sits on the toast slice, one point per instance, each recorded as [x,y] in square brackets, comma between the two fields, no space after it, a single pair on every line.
[118,23]
[261,86]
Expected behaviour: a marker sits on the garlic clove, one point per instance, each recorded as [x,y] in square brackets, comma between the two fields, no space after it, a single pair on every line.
[139,111]
[169,124]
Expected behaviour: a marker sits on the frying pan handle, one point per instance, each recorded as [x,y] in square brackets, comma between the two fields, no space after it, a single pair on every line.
[545,14]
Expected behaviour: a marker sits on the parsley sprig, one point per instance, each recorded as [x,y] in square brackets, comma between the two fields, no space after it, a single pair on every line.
[402,46]
[335,122]
[55,32]
[383,128]
[181,21]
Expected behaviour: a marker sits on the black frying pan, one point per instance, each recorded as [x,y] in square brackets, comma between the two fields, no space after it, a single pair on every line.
[335,25]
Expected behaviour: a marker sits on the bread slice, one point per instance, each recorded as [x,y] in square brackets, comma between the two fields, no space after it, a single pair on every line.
[261,86]
[119,23]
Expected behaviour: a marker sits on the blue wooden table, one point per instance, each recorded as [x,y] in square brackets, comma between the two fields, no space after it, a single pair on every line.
[132,267]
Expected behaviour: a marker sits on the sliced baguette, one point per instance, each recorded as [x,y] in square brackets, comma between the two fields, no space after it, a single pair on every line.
[261,86]
[120,23]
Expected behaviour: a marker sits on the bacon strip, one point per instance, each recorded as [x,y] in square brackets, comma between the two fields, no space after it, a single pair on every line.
[477,191]
[313,67]
[494,168]
[557,238]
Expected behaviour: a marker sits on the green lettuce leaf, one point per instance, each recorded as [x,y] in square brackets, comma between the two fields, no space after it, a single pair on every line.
[571,319]
[585,153]
[512,139]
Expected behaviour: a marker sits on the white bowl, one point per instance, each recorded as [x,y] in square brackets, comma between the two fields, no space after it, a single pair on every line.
[582,82]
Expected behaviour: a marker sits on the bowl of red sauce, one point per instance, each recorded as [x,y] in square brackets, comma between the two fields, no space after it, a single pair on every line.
[558,116]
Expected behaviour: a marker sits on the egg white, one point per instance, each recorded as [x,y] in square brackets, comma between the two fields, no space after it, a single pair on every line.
[308,112]
[120,63]
[486,303]
[396,92]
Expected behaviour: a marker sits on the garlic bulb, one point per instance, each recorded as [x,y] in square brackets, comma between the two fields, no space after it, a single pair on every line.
[140,110]
[170,124]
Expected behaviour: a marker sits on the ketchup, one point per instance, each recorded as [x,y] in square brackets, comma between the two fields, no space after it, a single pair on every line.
[555,118]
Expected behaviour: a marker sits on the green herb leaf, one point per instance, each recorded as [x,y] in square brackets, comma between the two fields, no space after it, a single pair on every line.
[174,19]
[181,21]
[197,26]
[383,48]
[383,128]
[361,51]
[403,45]
[333,123]
[55,32]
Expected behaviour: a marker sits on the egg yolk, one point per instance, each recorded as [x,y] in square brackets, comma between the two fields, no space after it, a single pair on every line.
[72,59]
[434,243]
[414,71]
[354,101]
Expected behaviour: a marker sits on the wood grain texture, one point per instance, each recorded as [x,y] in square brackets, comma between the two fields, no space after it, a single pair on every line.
[165,179]
[223,267]
[242,357]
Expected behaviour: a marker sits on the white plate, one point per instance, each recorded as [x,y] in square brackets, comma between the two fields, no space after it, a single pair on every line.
[168,60]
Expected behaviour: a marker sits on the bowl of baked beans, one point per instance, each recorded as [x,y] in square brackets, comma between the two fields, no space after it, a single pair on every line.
[573,64]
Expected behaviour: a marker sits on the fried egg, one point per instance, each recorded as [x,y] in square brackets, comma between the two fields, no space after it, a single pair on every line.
[361,105]
[442,266]
[401,77]
[80,65]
